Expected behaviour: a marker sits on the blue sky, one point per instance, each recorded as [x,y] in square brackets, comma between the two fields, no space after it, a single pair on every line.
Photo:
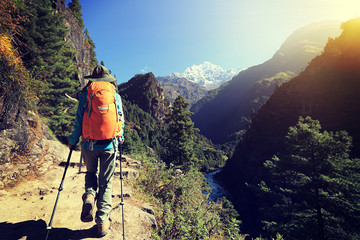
[166,36]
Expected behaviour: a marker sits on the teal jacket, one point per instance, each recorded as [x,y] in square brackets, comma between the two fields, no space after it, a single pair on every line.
[76,134]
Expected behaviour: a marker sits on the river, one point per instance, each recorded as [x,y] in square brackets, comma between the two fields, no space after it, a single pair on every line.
[217,191]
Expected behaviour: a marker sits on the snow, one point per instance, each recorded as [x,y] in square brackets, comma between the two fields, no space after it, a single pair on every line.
[206,74]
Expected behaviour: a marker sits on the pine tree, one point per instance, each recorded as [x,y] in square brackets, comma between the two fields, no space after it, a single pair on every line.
[181,135]
[315,187]
[49,57]
[75,8]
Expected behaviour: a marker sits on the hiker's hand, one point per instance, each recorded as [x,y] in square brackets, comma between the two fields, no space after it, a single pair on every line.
[71,147]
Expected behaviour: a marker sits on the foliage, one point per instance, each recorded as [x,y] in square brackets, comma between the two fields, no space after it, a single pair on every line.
[75,8]
[141,130]
[17,87]
[49,58]
[133,144]
[209,156]
[183,211]
[180,141]
[327,90]
[314,186]
[10,18]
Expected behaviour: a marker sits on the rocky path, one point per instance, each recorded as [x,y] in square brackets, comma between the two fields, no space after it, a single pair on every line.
[25,210]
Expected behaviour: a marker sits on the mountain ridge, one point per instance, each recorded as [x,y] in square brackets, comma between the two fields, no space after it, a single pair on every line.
[229,101]
[206,74]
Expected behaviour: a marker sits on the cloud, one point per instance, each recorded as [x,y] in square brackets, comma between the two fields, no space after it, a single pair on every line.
[145,69]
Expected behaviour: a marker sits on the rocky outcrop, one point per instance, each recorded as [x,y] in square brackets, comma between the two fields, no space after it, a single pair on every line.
[26,150]
[145,91]
[173,87]
[77,41]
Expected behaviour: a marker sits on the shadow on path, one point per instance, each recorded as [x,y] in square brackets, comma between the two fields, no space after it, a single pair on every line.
[36,230]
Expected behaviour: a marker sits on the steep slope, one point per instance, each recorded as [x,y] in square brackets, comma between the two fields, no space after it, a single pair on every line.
[328,90]
[227,110]
[173,87]
[145,91]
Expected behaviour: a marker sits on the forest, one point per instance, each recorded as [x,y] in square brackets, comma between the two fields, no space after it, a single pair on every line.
[297,169]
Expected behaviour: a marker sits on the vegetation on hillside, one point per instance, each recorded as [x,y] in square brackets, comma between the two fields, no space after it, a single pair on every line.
[175,142]
[182,210]
[17,86]
[314,186]
[305,195]
[37,64]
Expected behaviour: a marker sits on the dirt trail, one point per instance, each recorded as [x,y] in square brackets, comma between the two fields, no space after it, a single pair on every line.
[25,210]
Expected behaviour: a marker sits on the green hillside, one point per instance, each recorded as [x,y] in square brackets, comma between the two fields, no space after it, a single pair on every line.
[327,91]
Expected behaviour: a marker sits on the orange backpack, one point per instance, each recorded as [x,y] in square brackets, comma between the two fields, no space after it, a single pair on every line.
[101,120]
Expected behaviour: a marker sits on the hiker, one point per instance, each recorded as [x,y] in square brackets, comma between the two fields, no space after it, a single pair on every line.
[99,143]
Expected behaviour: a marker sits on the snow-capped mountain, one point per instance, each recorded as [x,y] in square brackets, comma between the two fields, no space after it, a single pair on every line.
[206,74]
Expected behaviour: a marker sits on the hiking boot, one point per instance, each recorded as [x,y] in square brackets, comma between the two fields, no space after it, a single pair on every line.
[87,208]
[103,229]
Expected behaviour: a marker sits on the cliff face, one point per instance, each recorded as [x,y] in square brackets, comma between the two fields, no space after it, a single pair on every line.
[77,41]
[26,149]
[145,91]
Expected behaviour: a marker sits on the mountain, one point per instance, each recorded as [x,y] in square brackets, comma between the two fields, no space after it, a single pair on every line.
[173,87]
[226,110]
[145,91]
[206,74]
[328,90]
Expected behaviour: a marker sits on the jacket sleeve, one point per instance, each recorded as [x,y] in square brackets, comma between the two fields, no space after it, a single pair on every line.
[121,113]
[74,138]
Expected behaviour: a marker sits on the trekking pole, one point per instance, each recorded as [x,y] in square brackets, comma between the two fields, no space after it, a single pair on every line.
[57,198]
[81,158]
[122,195]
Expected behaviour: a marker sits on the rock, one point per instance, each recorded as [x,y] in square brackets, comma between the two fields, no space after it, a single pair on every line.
[152,100]
[152,220]
[134,164]
[148,207]
[77,41]
[130,174]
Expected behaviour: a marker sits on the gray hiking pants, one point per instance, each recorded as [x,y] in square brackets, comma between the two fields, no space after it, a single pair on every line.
[100,178]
